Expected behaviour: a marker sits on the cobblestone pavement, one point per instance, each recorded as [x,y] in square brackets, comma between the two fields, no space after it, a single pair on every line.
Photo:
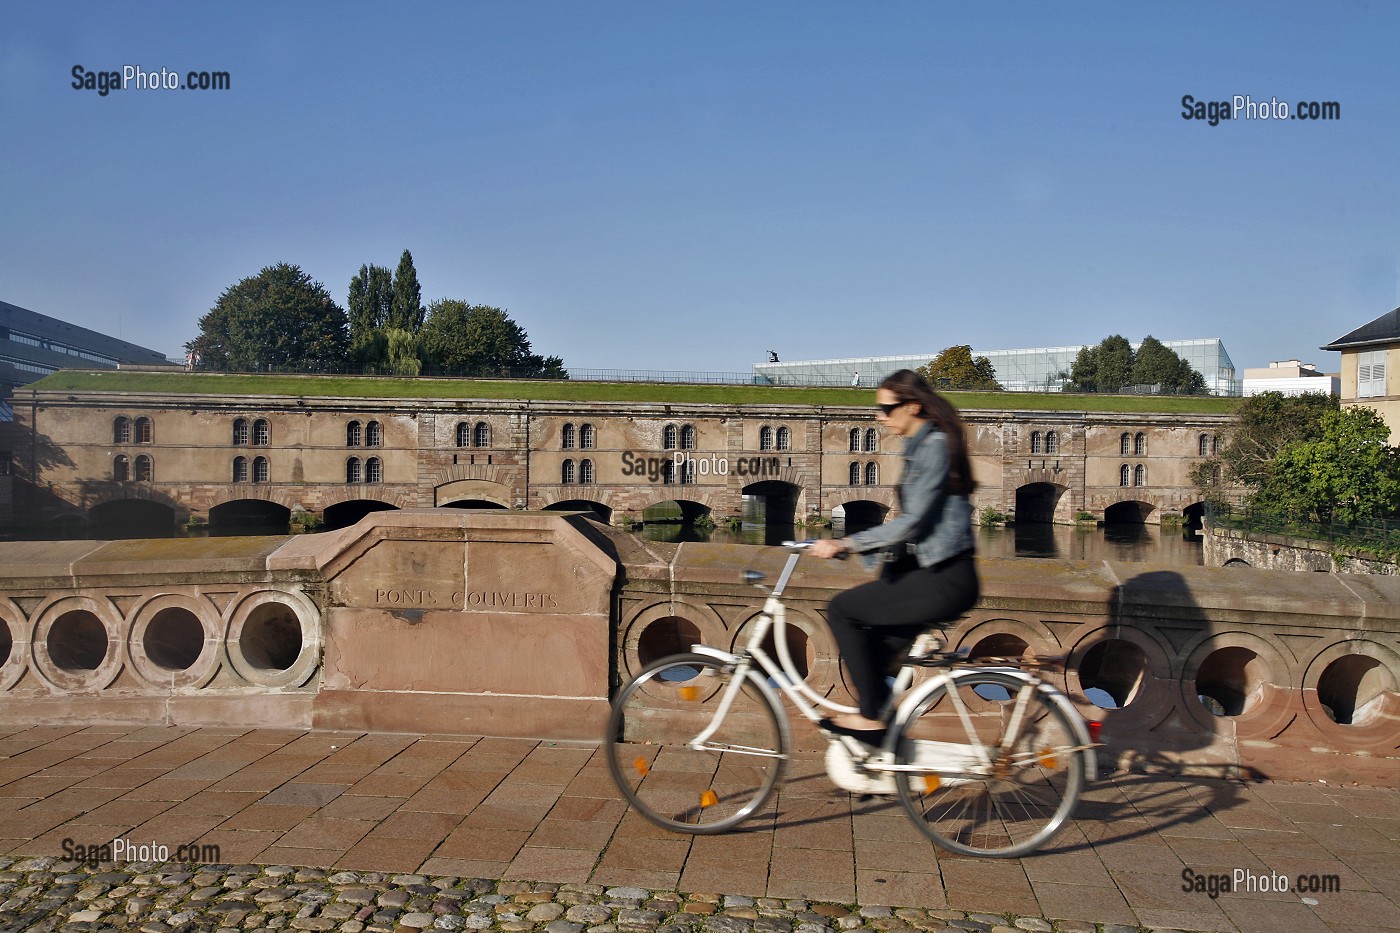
[378,832]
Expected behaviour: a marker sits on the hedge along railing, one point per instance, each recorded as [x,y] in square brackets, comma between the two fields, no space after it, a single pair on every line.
[1377,536]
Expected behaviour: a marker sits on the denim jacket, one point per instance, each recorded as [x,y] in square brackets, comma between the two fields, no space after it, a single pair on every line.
[932,524]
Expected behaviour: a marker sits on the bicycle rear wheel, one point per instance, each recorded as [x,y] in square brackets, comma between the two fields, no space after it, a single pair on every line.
[675,775]
[1003,766]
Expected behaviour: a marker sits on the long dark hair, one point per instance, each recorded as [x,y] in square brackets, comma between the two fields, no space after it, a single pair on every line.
[909,386]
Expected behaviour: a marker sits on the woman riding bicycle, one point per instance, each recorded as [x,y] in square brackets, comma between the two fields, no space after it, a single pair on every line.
[928,575]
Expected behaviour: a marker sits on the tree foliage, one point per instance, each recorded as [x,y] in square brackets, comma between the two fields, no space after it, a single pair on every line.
[1263,426]
[1347,472]
[371,299]
[277,319]
[956,368]
[1112,365]
[407,310]
[478,340]
[1103,368]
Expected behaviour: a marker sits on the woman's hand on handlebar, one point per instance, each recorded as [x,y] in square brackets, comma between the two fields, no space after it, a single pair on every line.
[830,547]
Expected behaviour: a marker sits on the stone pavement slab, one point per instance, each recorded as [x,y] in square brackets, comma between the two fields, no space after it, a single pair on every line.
[274,829]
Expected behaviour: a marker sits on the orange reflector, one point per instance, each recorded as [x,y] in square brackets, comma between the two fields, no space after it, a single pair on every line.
[641,766]
[689,692]
[932,783]
[1095,727]
[1047,759]
[709,798]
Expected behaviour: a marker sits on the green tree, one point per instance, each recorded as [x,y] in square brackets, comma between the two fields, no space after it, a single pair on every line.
[370,304]
[956,368]
[1104,368]
[477,340]
[1347,473]
[407,310]
[403,352]
[1263,425]
[1154,363]
[277,319]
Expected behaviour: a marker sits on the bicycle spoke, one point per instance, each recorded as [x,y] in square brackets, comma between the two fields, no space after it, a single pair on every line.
[678,762]
[1001,766]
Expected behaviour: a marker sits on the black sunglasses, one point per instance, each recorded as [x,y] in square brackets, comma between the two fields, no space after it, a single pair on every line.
[889,409]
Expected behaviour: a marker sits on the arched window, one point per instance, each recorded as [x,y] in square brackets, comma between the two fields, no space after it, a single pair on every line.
[464,434]
[855,474]
[121,469]
[765,438]
[240,469]
[567,436]
[145,469]
[586,439]
[872,474]
[1214,448]
[374,435]
[121,430]
[1052,442]
[872,440]
[585,471]
[1125,474]
[240,432]
[855,440]
[261,470]
[1139,475]
[784,438]
[1125,444]
[1035,442]
[145,431]
[481,436]
[352,434]
[352,471]
[1217,474]
[1140,445]
[668,472]
[688,437]
[262,433]
[566,472]
[687,472]
[374,470]
[668,437]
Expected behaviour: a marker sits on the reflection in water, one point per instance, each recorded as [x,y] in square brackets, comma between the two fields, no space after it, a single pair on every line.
[1129,543]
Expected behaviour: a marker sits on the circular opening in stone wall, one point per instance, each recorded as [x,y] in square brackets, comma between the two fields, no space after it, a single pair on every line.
[1229,680]
[1351,688]
[798,645]
[77,641]
[666,637]
[1111,673]
[174,639]
[271,637]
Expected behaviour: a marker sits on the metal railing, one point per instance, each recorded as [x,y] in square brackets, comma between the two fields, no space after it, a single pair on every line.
[1377,536]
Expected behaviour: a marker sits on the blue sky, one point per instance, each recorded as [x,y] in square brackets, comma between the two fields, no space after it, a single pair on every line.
[684,185]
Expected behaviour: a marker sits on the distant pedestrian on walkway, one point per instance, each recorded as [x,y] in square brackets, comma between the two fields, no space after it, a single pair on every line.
[855,379]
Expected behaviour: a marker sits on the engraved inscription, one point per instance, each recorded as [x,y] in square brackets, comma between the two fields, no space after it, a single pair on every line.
[405,597]
[510,599]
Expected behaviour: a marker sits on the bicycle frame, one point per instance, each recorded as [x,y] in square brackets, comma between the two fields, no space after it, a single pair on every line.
[809,703]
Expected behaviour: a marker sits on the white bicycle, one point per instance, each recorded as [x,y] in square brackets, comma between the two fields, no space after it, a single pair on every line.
[986,757]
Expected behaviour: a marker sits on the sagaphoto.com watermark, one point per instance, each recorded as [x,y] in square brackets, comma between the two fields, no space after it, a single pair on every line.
[1244,881]
[134,77]
[125,850]
[1245,107]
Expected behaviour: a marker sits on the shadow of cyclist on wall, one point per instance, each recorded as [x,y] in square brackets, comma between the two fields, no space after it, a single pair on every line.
[1171,755]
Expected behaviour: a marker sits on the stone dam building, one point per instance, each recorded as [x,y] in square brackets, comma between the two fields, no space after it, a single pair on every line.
[122,462]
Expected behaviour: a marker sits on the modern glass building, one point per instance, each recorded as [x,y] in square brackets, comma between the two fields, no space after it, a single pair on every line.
[1034,369]
[33,345]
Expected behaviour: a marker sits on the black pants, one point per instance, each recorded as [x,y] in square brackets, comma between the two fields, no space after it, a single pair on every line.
[876,622]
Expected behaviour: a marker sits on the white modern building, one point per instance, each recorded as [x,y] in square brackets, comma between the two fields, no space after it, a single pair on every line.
[1290,377]
[1035,369]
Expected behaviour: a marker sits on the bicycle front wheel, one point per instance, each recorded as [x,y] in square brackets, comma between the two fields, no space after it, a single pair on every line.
[999,766]
[692,749]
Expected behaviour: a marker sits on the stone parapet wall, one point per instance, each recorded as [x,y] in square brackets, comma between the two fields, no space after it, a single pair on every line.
[1225,547]
[510,623]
